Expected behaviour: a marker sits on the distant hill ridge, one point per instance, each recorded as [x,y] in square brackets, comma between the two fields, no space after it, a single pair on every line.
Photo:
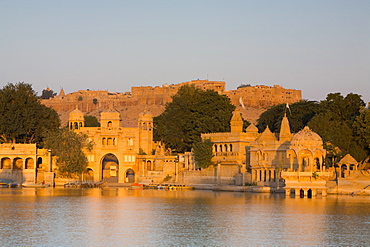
[250,100]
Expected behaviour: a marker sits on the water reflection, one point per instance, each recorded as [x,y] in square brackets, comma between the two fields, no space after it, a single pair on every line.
[122,217]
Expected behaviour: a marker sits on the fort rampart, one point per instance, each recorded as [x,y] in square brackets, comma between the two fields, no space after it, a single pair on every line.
[250,96]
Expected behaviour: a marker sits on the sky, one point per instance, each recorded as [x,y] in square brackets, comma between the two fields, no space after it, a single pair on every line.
[316,46]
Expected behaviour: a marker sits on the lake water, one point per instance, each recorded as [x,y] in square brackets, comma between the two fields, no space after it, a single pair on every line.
[123,217]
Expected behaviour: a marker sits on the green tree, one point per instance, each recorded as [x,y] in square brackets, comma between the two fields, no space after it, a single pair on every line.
[343,108]
[68,147]
[95,101]
[192,111]
[362,128]
[203,153]
[299,114]
[91,121]
[47,94]
[23,118]
[243,85]
[334,123]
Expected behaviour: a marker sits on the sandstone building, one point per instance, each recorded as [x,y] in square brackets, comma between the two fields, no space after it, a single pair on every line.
[24,163]
[270,160]
[124,154]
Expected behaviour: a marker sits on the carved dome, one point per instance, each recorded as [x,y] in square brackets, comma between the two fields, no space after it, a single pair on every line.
[145,116]
[76,115]
[110,114]
[306,137]
[110,110]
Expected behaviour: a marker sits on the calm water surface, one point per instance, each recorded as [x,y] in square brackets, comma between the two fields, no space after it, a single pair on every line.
[122,217]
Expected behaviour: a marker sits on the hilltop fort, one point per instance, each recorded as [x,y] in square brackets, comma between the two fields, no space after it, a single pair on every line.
[250,100]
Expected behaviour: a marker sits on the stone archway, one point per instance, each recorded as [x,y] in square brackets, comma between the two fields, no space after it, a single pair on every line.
[130,176]
[18,163]
[6,163]
[29,163]
[110,168]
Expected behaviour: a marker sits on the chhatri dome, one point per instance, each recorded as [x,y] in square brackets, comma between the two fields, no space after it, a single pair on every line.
[145,116]
[306,137]
[76,115]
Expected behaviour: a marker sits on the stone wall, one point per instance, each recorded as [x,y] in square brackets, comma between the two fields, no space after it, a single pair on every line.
[155,98]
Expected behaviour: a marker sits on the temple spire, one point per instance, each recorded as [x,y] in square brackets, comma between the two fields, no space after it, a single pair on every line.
[236,122]
[285,134]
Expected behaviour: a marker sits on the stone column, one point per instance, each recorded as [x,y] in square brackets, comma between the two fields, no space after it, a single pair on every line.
[299,165]
[291,163]
[143,167]
[305,192]
[50,161]
[314,192]
[323,192]
[218,173]
[287,191]
[296,192]
[176,170]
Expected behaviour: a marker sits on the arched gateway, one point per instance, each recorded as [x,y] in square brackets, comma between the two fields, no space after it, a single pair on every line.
[110,168]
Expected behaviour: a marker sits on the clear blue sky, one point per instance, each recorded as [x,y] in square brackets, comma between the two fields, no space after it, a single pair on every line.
[315,46]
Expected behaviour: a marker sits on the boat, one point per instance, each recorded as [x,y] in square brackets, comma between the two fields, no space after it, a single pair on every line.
[151,186]
[30,185]
[85,185]
[137,186]
[7,183]
[169,187]
[180,187]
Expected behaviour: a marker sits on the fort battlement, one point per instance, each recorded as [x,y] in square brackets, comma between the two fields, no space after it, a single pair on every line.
[157,97]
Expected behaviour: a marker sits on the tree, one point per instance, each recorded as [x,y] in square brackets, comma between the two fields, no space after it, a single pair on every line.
[334,123]
[23,118]
[91,121]
[362,128]
[203,153]
[344,108]
[243,85]
[299,114]
[68,147]
[95,101]
[192,111]
[47,94]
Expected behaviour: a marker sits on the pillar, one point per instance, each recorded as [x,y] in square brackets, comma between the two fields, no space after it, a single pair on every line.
[324,192]
[218,173]
[176,170]
[291,162]
[50,161]
[287,191]
[296,192]
[305,192]
[314,192]
[143,168]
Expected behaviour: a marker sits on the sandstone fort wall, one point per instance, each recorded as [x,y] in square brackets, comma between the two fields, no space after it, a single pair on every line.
[156,97]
